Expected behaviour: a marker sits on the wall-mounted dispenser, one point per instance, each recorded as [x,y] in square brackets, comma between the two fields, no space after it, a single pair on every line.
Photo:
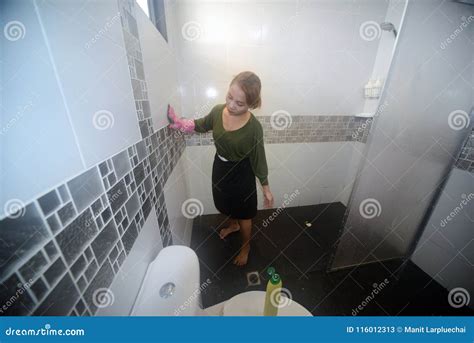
[373,88]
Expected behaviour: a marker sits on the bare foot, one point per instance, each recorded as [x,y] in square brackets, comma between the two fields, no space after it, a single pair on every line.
[243,255]
[232,228]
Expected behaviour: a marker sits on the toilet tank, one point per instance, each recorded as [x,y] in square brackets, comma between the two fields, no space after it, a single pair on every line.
[171,285]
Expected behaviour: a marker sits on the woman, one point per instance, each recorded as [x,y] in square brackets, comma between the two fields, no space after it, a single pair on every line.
[240,156]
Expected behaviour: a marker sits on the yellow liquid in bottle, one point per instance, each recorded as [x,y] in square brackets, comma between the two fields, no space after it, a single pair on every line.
[272,296]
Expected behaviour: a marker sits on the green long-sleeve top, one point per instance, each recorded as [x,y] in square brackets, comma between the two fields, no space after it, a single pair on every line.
[238,144]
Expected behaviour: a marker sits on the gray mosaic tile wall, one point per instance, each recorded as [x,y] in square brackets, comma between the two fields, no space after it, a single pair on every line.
[58,250]
[135,64]
[317,128]
[466,159]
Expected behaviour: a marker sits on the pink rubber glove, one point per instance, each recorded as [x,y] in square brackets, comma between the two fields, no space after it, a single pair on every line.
[181,124]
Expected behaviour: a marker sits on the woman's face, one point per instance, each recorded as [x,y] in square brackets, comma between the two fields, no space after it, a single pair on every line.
[235,101]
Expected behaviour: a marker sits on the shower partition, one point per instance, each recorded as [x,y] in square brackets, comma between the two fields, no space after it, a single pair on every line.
[420,124]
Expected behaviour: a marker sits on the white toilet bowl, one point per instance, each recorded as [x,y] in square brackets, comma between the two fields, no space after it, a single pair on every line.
[171,287]
[252,304]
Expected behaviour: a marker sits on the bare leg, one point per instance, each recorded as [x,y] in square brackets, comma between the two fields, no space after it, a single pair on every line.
[233,226]
[246,234]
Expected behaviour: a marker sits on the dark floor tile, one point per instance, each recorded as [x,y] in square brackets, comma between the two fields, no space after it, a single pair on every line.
[301,255]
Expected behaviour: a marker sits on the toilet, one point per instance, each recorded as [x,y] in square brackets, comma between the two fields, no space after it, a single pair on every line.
[171,287]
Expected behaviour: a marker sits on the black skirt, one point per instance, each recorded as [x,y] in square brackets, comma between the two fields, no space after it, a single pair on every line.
[234,188]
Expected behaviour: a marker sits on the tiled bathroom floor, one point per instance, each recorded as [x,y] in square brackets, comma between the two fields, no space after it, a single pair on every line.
[300,255]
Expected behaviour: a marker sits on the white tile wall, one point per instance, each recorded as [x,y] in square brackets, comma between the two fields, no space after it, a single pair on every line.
[91,63]
[175,192]
[55,80]
[159,63]
[309,55]
[321,172]
[34,115]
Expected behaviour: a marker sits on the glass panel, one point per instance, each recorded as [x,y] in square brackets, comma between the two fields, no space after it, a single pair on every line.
[421,121]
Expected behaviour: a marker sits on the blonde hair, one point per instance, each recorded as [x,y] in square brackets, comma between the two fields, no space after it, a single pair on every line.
[250,84]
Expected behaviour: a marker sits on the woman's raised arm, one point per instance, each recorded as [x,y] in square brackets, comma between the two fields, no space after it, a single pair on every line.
[181,124]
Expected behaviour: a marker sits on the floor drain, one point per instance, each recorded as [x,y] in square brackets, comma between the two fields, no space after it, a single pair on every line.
[253,279]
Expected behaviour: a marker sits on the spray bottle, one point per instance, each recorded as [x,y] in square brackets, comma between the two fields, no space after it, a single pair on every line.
[272,296]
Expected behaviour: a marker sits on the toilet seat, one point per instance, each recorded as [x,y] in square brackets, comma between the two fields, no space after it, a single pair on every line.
[252,303]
